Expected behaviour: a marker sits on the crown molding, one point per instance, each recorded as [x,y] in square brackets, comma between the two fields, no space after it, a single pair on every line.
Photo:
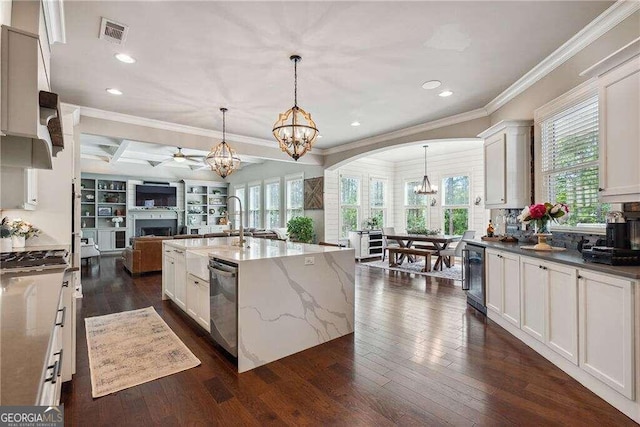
[578,94]
[424,127]
[608,19]
[504,124]
[53,11]
[74,110]
[174,127]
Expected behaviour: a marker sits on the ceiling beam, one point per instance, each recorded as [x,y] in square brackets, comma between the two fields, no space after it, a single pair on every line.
[120,150]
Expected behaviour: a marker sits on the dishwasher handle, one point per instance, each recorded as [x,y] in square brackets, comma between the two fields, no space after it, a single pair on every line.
[222,273]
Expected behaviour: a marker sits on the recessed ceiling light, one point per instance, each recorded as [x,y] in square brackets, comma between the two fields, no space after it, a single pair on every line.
[114,91]
[354,124]
[445,93]
[431,84]
[123,57]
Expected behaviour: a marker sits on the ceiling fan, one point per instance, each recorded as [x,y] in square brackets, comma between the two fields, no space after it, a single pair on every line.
[180,157]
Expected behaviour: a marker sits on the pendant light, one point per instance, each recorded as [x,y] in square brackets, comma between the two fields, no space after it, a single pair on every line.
[426,187]
[294,130]
[222,158]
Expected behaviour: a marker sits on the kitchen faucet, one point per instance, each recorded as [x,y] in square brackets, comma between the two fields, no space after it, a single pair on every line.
[241,243]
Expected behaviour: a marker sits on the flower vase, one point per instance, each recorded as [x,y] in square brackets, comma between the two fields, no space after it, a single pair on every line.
[542,233]
[18,242]
[6,244]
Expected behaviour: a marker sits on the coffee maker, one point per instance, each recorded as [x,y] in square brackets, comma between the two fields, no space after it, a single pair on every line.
[617,231]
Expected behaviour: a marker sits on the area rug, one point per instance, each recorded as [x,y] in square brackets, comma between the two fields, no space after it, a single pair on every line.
[453,273]
[131,348]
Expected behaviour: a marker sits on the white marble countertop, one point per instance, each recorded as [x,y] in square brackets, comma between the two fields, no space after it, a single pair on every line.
[40,248]
[28,308]
[254,249]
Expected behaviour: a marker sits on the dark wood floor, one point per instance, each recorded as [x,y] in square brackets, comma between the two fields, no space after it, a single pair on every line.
[419,356]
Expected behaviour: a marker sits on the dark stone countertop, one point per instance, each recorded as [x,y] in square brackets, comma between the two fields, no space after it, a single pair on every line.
[568,257]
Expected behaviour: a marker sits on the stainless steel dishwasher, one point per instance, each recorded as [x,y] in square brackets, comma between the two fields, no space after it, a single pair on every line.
[223,297]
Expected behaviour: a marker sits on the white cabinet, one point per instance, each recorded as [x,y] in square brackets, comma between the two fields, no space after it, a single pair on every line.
[619,109]
[606,312]
[507,159]
[180,279]
[69,331]
[549,305]
[198,300]
[112,240]
[367,243]
[503,285]
[168,273]
[19,188]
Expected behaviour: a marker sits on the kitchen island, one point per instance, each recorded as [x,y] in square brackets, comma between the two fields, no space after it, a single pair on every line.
[289,296]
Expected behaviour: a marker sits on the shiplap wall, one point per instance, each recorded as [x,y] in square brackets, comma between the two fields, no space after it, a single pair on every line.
[365,169]
[462,162]
[468,162]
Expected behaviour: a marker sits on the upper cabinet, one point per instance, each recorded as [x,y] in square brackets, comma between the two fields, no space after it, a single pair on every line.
[619,110]
[507,160]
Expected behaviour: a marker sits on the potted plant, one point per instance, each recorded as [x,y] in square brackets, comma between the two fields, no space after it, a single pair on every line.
[21,231]
[5,236]
[300,229]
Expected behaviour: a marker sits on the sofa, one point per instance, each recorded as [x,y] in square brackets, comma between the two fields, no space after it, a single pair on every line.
[145,253]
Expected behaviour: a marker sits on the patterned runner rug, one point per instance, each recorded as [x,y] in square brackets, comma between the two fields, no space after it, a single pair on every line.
[453,273]
[131,348]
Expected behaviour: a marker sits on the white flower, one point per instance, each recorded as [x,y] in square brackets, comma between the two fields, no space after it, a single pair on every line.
[556,208]
[524,215]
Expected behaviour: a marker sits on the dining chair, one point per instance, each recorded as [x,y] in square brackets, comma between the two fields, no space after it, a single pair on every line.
[385,244]
[457,250]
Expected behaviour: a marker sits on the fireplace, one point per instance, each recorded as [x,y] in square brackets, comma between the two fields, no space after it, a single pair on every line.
[156,231]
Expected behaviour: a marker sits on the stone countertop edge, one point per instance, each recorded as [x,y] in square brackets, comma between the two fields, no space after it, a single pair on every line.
[569,257]
[52,247]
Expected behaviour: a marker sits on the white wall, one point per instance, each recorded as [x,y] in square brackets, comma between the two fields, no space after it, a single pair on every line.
[456,162]
[365,169]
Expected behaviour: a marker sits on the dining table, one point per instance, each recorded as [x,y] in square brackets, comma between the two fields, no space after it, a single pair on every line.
[436,242]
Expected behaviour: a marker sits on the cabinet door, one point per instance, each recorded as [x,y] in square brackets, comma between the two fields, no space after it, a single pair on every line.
[495,151]
[562,310]
[511,288]
[494,278]
[619,102]
[204,307]
[180,280]
[120,239]
[192,296]
[606,307]
[105,240]
[169,276]
[532,284]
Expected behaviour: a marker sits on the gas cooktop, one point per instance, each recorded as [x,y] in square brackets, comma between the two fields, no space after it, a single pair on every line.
[33,260]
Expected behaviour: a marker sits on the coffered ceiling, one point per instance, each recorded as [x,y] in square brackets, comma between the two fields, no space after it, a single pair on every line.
[362,61]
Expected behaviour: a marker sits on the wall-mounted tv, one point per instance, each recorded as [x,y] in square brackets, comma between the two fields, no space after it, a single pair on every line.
[155,196]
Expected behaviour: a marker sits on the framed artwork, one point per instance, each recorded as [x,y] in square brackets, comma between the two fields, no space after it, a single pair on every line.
[314,193]
[104,211]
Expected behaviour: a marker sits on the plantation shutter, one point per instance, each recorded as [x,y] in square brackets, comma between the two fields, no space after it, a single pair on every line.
[570,161]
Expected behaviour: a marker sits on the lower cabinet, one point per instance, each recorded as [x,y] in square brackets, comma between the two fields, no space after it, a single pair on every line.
[111,240]
[169,273]
[606,313]
[503,285]
[532,279]
[180,274]
[198,306]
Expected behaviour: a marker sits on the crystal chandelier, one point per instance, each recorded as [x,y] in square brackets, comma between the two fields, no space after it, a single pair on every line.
[425,187]
[222,158]
[294,130]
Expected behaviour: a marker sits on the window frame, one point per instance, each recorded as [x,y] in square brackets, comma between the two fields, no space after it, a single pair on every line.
[265,184]
[385,198]
[445,206]
[357,206]
[258,185]
[287,208]
[407,207]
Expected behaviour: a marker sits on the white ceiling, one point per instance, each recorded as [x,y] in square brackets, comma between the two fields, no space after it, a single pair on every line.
[435,148]
[362,61]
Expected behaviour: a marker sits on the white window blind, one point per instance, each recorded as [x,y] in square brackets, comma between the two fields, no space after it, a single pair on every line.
[570,162]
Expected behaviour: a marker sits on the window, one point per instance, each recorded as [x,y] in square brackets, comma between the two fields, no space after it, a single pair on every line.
[570,163]
[254,206]
[240,192]
[378,200]
[349,204]
[455,204]
[294,196]
[415,207]
[272,204]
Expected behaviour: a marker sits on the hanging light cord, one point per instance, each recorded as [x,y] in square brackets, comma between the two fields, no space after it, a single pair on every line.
[224,127]
[425,159]
[295,82]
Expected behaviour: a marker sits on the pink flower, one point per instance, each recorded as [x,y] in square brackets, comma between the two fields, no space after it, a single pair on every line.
[537,211]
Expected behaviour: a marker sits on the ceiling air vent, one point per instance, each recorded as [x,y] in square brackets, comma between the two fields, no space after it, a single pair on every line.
[113,31]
